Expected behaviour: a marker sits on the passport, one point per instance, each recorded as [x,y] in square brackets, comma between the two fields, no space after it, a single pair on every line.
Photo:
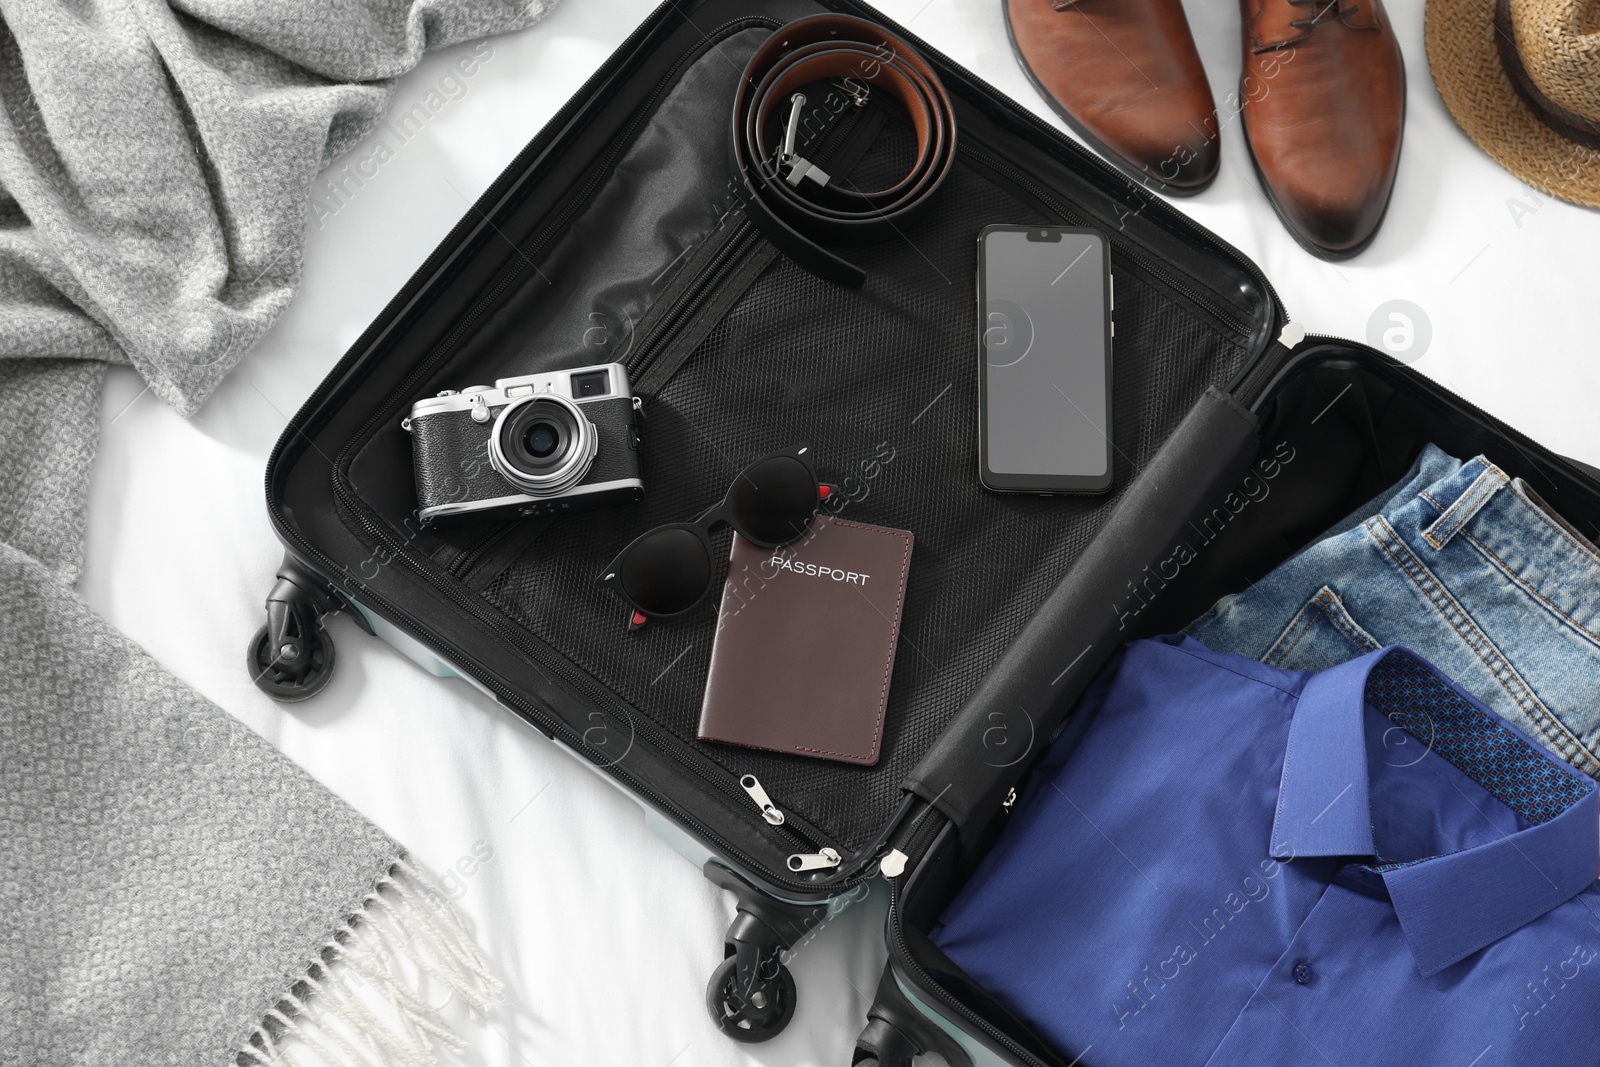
[805,642]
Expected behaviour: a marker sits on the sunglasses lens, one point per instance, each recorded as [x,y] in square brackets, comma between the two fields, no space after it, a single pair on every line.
[772,503]
[666,572]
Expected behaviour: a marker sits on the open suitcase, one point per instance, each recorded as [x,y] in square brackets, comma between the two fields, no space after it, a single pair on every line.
[615,236]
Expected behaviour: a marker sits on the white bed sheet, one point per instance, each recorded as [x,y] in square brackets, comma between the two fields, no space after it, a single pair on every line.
[604,935]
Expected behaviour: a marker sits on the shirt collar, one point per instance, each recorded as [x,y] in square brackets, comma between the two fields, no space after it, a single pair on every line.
[1448,906]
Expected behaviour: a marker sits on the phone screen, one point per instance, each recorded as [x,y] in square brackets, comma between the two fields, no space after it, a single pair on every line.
[1044,377]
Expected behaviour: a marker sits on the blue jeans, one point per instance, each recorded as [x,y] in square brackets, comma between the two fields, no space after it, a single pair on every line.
[1466,567]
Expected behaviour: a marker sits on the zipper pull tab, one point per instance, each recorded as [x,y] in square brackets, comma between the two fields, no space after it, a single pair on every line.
[814,861]
[1291,335]
[769,810]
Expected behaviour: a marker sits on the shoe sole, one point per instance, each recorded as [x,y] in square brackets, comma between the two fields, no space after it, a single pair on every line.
[1332,256]
[1110,155]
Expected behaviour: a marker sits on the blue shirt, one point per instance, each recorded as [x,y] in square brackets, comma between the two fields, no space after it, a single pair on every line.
[1228,863]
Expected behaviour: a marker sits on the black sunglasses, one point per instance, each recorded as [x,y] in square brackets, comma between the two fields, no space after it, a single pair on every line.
[667,570]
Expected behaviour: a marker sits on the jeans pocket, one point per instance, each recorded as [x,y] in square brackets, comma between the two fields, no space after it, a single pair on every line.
[1321,635]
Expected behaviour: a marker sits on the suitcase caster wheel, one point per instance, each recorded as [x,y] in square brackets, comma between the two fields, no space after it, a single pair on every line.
[290,672]
[758,1014]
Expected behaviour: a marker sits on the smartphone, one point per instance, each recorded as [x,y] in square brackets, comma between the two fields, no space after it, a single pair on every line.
[1044,359]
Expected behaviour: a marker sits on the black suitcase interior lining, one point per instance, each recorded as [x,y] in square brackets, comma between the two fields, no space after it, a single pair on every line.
[881,381]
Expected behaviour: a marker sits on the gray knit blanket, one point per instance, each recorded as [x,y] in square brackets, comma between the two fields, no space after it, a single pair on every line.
[172,889]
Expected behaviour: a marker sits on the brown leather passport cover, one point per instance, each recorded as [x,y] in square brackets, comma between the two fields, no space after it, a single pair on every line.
[805,642]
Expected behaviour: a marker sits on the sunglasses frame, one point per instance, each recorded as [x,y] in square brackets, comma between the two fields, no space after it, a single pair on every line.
[702,526]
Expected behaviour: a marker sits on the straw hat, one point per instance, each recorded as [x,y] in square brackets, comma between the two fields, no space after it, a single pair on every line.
[1522,78]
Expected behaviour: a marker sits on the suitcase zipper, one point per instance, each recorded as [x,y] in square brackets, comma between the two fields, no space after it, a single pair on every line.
[468,559]
[726,260]
[814,861]
[710,280]
[769,810]
[930,986]
[1253,375]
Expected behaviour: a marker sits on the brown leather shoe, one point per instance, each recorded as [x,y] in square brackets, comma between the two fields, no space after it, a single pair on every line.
[1124,74]
[1324,100]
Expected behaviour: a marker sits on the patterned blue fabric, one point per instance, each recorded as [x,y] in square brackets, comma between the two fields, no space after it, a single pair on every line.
[1411,697]
[1228,863]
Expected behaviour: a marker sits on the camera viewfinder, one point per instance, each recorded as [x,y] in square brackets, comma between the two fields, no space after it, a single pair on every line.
[594,383]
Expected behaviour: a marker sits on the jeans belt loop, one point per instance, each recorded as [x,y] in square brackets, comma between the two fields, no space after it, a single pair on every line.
[1459,513]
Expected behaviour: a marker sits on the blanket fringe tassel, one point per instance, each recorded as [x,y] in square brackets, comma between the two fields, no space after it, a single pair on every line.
[363,1000]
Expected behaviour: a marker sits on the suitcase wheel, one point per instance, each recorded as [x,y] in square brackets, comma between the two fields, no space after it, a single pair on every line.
[898,1034]
[754,1006]
[291,657]
[295,669]
[751,995]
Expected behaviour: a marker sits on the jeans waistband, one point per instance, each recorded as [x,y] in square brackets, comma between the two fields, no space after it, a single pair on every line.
[1502,517]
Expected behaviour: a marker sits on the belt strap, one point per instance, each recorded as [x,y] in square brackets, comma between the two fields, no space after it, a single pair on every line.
[792,201]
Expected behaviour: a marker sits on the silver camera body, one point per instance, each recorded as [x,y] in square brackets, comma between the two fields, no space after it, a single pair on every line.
[540,444]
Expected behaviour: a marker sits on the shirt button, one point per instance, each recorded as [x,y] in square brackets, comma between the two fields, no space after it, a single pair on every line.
[1302,972]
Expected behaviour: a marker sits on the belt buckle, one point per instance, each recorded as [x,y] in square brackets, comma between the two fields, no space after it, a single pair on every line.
[800,168]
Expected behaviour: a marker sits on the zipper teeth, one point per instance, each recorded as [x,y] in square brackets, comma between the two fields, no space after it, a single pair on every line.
[468,559]
[1039,192]
[726,259]
[929,985]
[721,265]
[921,837]
[1253,377]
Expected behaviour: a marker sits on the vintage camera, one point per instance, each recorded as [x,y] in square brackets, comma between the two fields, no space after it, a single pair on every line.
[541,444]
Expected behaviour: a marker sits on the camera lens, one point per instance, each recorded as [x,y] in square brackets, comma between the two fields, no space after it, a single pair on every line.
[540,440]
[543,445]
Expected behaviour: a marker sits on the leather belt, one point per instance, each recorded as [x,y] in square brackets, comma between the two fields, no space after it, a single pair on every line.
[795,203]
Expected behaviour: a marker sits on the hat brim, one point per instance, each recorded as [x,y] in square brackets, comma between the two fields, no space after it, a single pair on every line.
[1479,95]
